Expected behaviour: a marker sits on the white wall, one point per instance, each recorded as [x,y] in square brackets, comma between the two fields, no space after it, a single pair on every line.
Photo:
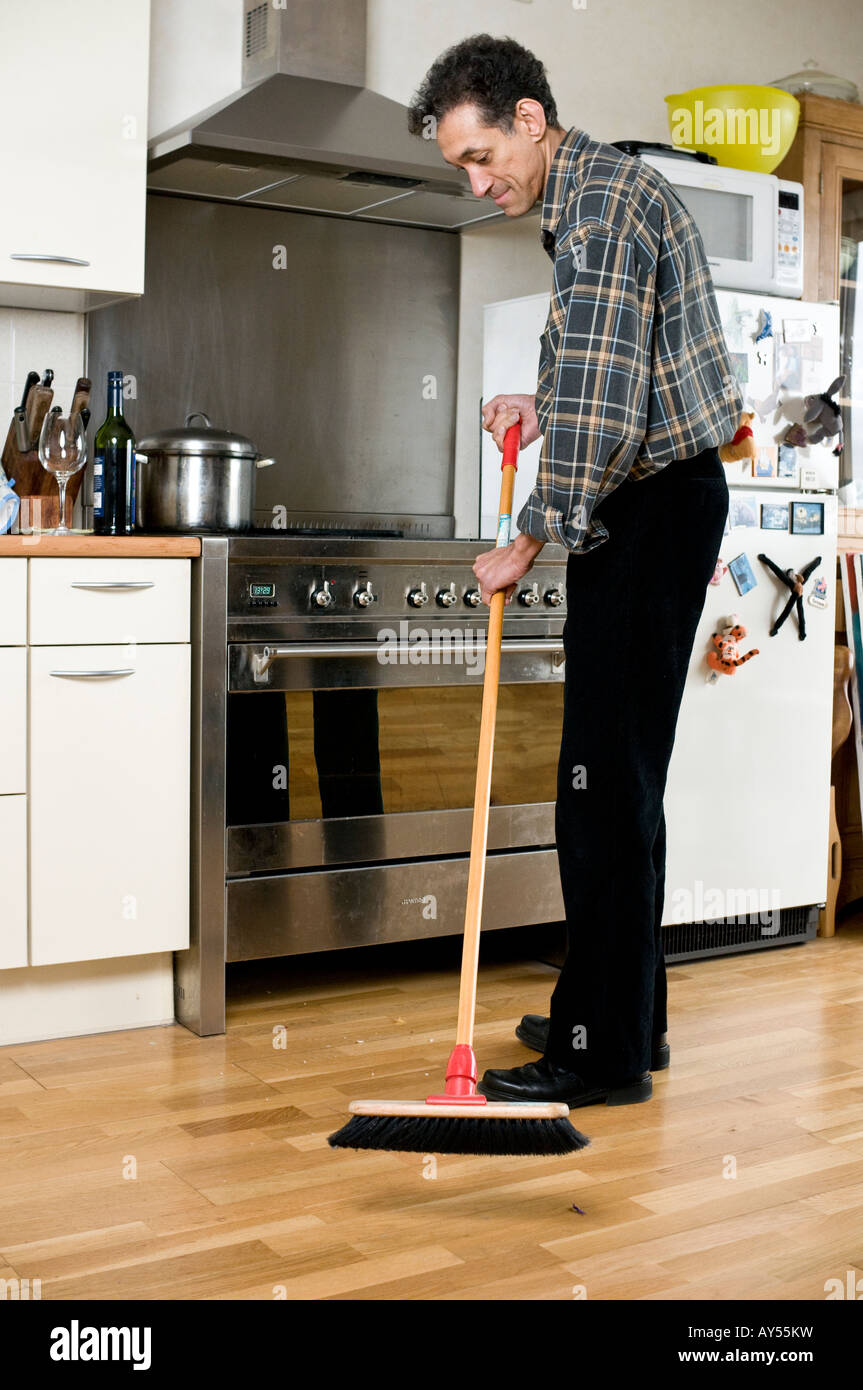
[33,339]
[609,65]
[213,30]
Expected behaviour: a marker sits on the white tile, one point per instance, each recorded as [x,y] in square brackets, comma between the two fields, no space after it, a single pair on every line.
[6,369]
[63,393]
[42,338]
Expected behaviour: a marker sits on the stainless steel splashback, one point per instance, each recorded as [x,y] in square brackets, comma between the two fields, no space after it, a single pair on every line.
[342,365]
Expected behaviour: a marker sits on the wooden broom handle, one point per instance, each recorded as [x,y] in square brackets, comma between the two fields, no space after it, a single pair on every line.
[482,798]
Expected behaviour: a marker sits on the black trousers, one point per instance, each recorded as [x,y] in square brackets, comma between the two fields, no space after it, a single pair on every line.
[633,606]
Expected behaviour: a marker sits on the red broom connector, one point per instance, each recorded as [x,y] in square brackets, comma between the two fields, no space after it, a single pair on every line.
[460,1079]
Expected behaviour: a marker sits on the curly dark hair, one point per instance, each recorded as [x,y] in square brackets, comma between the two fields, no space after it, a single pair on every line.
[492,74]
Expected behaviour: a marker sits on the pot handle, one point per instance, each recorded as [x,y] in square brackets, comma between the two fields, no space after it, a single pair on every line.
[198,415]
[141,458]
[264,463]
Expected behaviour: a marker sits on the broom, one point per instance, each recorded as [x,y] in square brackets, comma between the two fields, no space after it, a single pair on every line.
[460,1121]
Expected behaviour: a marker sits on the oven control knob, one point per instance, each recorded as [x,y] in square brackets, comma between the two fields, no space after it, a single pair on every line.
[363,597]
[529,597]
[554,597]
[447,597]
[323,597]
[418,597]
[472,598]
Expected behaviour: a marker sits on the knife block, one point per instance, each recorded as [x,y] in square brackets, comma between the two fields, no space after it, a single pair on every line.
[37,488]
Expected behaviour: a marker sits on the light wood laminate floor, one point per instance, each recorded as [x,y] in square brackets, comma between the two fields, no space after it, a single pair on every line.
[158,1165]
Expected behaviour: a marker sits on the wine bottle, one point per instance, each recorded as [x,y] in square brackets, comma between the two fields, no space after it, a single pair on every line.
[114,468]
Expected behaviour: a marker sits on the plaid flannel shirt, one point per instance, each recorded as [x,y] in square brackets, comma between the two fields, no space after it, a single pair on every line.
[633,370]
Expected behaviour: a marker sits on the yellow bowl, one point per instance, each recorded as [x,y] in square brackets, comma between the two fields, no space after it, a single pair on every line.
[744,127]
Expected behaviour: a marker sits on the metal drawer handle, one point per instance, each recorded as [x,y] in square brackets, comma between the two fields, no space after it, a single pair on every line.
[92,675]
[39,256]
[112,583]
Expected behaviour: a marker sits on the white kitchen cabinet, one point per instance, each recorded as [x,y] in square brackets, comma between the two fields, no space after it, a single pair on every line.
[13,602]
[73,152]
[13,721]
[109,801]
[13,882]
[101,601]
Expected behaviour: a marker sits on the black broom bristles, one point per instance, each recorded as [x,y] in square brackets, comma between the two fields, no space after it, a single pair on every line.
[450,1135]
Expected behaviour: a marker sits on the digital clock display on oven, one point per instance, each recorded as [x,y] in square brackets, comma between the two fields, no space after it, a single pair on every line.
[262,595]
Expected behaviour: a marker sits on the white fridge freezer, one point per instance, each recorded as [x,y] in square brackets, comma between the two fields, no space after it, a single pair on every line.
[747,801]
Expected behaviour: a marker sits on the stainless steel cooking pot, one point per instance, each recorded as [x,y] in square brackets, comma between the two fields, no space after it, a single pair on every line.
[196,479]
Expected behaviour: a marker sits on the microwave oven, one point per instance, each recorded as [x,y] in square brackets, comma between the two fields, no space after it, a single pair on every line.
[751,224]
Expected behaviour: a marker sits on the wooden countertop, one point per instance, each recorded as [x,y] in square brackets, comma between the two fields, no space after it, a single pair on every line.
[112,547]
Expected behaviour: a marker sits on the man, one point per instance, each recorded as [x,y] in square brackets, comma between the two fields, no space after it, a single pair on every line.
[635,393]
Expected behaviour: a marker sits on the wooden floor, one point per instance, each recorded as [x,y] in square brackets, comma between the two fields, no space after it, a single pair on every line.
[158,1165]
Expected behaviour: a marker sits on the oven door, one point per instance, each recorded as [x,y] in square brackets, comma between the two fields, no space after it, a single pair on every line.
[350,789]
[344,758]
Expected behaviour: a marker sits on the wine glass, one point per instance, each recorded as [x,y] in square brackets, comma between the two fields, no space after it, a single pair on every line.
[63,452]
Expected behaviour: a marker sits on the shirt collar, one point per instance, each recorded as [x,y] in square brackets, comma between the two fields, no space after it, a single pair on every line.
[559,183]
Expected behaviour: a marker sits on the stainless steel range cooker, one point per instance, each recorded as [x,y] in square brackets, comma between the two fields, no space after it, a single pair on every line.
[337,685]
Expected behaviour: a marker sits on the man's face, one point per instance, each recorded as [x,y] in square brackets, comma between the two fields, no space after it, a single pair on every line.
[506,166]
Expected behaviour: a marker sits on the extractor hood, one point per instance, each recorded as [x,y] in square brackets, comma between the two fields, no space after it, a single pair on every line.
[306,134]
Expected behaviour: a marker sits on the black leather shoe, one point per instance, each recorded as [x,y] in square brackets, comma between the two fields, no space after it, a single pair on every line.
[533,1032]
[542,1080]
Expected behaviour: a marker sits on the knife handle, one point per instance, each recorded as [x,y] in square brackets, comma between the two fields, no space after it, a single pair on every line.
[22,439]
[32,380]
[81,395]
[38,402]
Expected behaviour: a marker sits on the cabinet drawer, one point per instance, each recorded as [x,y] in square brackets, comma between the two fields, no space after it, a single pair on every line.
[13,720]
[99,601]
[13,882]
[109,802]
[13,602]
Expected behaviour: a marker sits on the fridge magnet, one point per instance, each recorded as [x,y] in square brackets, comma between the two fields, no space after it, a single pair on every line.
[789,366]
[742,446]
[741,573]
[719,571]
[813,349]
[796,437]
[768,405]
[796,330]
[786,463]
[774,516]
[724,656]
[823,416]
[765,463]
[818,594]
[793,580]
[807,518]
[811,377]
[740,324]
[765,326]
[741,510]
[762,356]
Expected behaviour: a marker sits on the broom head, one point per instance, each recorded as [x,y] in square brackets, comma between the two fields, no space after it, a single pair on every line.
[466,1127]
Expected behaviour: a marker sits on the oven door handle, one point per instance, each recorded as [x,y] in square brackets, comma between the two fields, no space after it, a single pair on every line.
[262,661]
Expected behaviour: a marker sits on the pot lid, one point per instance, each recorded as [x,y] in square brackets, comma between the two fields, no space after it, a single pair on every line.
[197,439]
[824,84]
